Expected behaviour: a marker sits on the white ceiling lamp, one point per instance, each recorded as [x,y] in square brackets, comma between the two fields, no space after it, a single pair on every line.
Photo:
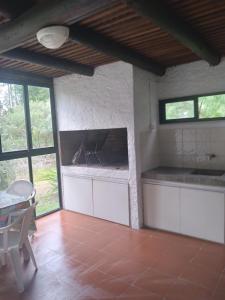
[53,37]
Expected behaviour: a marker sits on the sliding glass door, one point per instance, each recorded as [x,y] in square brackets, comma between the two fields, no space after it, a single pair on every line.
[28,144]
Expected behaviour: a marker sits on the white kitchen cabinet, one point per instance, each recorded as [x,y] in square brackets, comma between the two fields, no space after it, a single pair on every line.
[77,194]
[189,210]
[111,201]
[161,207]
[202,214]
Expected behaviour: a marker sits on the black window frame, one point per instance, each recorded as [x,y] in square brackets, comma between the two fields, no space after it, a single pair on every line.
[194,98]
[22,79]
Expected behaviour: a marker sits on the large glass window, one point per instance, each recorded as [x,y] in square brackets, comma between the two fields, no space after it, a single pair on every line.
[13,169]
[46,183]
[12,117]
[27,142]
[41,117]
[194,108]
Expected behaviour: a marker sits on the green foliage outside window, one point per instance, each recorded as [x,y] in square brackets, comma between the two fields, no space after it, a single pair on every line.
[180,110]
[193,108]
[211,106]
[13,137]
[12,118]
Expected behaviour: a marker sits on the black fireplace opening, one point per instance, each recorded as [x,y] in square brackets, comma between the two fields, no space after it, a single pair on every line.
[101,147]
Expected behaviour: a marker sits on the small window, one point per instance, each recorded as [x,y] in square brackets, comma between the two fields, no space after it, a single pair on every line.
[211,106]
[193,108]
[180,110]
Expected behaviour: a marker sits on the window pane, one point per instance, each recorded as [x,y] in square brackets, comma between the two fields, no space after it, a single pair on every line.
[14,169]
[41,118]
[46,183]
[12,117]
[211,106]
[180,110]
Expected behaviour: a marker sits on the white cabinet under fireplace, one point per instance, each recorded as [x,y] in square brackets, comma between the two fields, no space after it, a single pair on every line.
[77,194]
[110,201]
[103,199]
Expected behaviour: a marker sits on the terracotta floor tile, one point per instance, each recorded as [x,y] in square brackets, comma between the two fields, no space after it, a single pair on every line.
[155,282]
[84,258]
[109,287]
[183,252]
[185,290]
[170,264]
[210,261]
[98,241]
[218,297]
[66,270]
[179,239]
[123,244]
[88,256]
[127,269]
[104,262]
[137,293]
[201,276]
[216,249]
[220,290]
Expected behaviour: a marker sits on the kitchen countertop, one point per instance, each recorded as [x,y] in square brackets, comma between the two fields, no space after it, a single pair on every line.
[183,175]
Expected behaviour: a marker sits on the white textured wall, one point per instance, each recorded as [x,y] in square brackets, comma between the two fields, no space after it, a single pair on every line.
[102,101]
[146,118]
[188,144]
[191,79]
[145,125]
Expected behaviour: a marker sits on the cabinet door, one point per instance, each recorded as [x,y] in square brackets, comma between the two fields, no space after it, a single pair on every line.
[161,207]
[77,194]
[202,214]
[111,201]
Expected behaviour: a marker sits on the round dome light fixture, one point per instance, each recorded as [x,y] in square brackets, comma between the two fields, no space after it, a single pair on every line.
[53,37]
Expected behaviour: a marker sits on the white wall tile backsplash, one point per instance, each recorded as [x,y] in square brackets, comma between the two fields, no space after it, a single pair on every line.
[191,147]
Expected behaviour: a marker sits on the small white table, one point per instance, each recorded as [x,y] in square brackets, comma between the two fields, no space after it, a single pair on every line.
[10,203]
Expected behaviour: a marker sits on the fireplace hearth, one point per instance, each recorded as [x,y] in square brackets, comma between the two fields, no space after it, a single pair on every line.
[100,148]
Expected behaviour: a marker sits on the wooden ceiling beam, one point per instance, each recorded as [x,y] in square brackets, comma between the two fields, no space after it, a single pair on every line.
[15,76]
[101,43]
[13,34]
[49,61]
[162,15]
[11,8]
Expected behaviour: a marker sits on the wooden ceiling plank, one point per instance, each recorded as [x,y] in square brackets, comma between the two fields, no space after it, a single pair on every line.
[158,12]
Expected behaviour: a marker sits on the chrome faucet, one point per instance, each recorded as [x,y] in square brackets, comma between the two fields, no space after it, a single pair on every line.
[210,156]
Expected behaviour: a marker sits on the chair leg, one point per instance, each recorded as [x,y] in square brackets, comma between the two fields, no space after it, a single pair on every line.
[3,259]
[31,253]
[26,253]
[16,264]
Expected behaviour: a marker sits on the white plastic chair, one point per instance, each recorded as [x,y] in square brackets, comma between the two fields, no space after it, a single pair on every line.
[22,188]
[11,242]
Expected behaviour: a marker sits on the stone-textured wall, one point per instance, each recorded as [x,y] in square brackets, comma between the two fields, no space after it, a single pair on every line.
[102,101]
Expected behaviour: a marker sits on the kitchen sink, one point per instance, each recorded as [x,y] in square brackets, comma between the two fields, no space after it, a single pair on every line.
[208,172]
